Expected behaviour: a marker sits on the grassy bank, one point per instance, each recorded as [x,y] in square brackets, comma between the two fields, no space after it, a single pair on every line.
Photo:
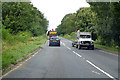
[95,43]
[106,47]
[11,53]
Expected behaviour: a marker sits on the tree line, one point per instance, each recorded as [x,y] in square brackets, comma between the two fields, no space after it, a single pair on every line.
[101,18]
[23,17]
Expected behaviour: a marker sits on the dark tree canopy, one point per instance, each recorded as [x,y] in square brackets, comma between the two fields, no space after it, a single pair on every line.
[102,19]
[22,16]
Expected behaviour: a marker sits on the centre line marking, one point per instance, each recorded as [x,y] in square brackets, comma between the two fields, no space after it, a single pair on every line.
[69,48]
[63,44]
[100,70]
[74,52]
[77,54]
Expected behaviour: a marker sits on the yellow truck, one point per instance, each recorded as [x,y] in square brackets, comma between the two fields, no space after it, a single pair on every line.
[52,33]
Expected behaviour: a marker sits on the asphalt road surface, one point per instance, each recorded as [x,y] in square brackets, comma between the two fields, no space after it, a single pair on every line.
[67,62]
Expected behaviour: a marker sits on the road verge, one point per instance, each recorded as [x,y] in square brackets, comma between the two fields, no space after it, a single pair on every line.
[15,55]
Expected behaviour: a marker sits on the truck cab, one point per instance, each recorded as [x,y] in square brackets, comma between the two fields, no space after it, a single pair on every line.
[84,39]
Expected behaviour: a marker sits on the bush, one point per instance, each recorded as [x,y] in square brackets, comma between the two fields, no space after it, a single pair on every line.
[73,34]
[61,35]
[23,36]
[6,36]
[14,39]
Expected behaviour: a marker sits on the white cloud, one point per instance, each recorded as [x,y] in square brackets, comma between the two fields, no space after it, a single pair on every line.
[55,10]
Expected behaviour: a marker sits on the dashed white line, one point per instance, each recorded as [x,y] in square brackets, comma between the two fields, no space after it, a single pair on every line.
[94,65]
[69,48]
[83,58]
[100,69]
[63,44]
[77,54]
[96,72]
[74,52]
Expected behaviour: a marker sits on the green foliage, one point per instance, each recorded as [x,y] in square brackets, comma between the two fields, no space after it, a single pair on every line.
[22,16]
[21,21]
[102,19]
[73,34]
[13,39]
[82,20]
[11,54]
[107,22]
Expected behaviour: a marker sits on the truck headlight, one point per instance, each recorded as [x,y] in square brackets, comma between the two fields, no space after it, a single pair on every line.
[81,42]
[92,42]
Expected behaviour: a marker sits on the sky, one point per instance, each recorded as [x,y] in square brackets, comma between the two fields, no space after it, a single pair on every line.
[55,10]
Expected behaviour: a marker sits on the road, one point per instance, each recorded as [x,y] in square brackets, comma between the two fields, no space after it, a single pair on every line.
[67,62]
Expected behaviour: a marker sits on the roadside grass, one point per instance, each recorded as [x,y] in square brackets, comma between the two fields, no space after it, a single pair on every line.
[11,53]
[106,47]
[68,37]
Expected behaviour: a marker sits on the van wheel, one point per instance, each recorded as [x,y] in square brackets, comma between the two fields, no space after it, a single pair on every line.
[79,47]
[88,47]
[92,47]
[72,45]
[76,46]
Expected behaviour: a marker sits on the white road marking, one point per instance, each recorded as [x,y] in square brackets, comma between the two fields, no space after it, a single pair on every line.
[69,48]
[100,69]
[63,44]
[74,52]
[20,64]
[93,65]
[96,72]
[83,58]
[77,54]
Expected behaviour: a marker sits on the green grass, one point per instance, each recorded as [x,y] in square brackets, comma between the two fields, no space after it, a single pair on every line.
[106,47]
[12,53]
[68,37]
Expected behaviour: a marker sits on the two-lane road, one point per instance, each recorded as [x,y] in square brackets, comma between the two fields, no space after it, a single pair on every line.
[67,62]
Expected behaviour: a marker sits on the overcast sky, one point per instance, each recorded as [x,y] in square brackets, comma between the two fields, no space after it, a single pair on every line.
[55,10]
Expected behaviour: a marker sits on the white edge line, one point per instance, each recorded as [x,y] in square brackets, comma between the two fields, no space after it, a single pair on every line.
[100,70]
[19,64]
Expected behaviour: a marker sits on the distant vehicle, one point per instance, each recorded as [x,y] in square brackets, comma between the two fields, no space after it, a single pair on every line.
[84,39]
[54,41]
[52,34]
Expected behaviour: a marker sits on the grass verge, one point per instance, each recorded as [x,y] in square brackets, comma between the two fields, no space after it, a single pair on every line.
[106,47]
[12,53]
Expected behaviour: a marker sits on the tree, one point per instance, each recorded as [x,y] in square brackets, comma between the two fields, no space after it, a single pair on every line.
[22,16]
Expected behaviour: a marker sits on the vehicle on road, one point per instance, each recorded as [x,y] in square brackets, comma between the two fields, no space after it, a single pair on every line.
[54,41]
[52,34]
[84,39]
